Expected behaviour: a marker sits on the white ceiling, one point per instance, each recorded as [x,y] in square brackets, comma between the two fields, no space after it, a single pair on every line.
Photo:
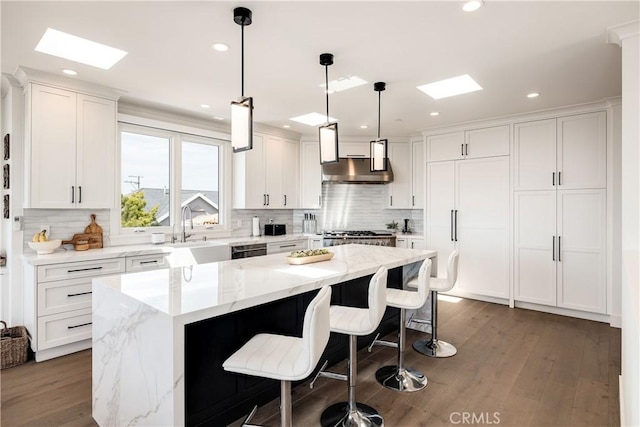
[510,48]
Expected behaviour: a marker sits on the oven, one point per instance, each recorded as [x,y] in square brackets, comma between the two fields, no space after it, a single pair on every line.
[374,238]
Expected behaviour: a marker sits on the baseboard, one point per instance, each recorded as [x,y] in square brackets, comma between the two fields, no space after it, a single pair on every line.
[621,397]
[615,321]
[604,318]
[62,350]
[462,294]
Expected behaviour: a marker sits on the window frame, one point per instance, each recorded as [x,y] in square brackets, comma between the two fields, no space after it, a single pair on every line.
[175,133]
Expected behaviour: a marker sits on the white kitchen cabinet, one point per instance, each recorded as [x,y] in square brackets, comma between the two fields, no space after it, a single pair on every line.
[400,192]
[402,242]
[469,144]
[70,149]
[287,246]
[263,176]
[147,262]
[311,176]
[560,249]
[468,210]
[564,153]
[316,242]
[417,243]
[417,174]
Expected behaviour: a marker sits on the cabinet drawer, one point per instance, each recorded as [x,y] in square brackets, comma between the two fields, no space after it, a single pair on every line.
[295,245]
[146,262]
[72,270]
[63,296]
[64,328]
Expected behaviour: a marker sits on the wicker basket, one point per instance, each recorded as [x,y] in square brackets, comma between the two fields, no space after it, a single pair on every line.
[13,346]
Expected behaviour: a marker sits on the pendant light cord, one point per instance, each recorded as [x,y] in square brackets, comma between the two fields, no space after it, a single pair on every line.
[326,88]
[242,60]
[379,96]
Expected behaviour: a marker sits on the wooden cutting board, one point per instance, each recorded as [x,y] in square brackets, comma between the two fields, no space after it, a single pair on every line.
[94,239]
[93,227]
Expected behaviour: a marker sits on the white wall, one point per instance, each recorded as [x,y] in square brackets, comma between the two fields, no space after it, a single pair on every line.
[628,36]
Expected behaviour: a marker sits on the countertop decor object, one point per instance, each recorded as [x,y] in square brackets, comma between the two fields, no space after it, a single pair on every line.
[309,259]
[43,248]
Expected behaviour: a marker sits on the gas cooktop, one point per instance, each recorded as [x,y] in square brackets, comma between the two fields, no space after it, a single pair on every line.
[356,233]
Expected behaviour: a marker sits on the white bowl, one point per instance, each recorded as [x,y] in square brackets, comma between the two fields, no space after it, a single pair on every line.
[45,247]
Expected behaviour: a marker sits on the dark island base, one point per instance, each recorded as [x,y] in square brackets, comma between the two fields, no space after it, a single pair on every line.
[215,397]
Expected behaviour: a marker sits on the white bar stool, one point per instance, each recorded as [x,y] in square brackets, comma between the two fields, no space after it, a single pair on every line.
[283,357]
[398,377]
[355,322]
[435,347]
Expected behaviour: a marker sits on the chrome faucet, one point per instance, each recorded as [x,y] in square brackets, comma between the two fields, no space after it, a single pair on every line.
[185,236]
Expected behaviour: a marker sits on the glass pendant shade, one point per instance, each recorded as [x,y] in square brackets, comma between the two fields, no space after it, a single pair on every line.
[328,143]
[242,124]
[378,155]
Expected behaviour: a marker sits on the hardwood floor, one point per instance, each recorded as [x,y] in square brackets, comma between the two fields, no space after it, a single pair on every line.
[514,367]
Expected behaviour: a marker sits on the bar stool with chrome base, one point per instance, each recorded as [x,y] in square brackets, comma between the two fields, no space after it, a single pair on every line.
[435,347]
[355,322]
[398,377]
[286,358]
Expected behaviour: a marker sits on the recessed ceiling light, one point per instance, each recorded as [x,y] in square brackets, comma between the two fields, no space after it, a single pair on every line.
[472,5]
[450,87]
[286,126]
[218,118]
[313,119]
[364,127]
[205,106]
[533,95]
[70,72]
[220,47]
[434,113]
[344,83]
[77,49]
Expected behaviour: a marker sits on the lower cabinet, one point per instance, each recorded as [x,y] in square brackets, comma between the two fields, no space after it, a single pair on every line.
[287,246]
[413,242]
[58,313]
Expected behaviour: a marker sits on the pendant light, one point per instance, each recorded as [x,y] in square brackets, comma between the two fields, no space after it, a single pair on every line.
[379,146]
[328,132]
[242,109]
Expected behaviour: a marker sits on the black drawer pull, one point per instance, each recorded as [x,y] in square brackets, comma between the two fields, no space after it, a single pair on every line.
[155,261]
[79,326]
[78,294]
[288,246]
[84,269]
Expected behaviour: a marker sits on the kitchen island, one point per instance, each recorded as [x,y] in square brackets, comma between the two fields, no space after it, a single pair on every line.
[159,337]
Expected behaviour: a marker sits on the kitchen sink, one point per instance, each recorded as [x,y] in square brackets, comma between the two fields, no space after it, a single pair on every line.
[190,253]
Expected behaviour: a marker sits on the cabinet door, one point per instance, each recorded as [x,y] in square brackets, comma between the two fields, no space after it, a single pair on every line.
[482,225]
[417,243]
[273,158]
[582,250]
[417,174]
[535,245]
[311,176]
[582,151]
[354,149]
[488,142]
[52,174]
[535,155]
[440,206]
[402,242]
[96,147]
[449,146]
[400,188]
[290,174]
[248,177]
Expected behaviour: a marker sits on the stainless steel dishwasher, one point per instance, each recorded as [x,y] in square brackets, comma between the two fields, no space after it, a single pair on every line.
[248,251]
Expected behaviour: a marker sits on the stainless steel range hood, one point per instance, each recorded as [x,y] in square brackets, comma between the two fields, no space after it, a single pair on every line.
[356,171]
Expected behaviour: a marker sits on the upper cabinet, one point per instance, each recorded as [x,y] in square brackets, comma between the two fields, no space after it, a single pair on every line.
[266,177]
[311,176]
[563,153]
[400,189]
[417,174]
[69,148]
[470,144]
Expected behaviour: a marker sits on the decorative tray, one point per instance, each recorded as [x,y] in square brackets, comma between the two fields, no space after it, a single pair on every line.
[309,259]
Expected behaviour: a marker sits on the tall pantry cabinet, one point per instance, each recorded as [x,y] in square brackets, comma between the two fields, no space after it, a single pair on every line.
[468,207]
[560,212]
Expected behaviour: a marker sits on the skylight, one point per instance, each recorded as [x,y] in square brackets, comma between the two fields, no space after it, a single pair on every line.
[344,83]
[77,49]
[450,87]
[313,119]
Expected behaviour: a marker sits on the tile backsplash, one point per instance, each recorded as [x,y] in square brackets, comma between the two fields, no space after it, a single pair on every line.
[64,223]
[279,216]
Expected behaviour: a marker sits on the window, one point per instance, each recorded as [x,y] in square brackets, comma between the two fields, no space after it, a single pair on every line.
[169,178]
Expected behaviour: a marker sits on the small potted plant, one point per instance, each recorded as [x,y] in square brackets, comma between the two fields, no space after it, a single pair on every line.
[392,226]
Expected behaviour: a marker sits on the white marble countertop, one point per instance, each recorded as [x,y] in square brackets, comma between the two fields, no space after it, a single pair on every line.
[193,293]
[62,255]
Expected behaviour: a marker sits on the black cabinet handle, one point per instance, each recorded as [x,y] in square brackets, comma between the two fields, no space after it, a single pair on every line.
[73,194]
[451,224]
[78,294]
[455,229]
[78,326]
[413,200]
[462,149]
[319,200]
[79,193]
[553,249]
[155,261]
[559,249]
[268,201]
[84,269]
[264,200]
[285,200]
[553,178]
[288,246]
[390,200]
[466,149]
[559,178]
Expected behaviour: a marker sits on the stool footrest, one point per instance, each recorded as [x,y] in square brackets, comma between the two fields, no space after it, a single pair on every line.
[325,374]
[245,423]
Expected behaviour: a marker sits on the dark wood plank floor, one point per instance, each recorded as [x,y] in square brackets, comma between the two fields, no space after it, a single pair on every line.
[514,367]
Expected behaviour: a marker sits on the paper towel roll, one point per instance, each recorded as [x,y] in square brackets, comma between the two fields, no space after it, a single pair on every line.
[255,229]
